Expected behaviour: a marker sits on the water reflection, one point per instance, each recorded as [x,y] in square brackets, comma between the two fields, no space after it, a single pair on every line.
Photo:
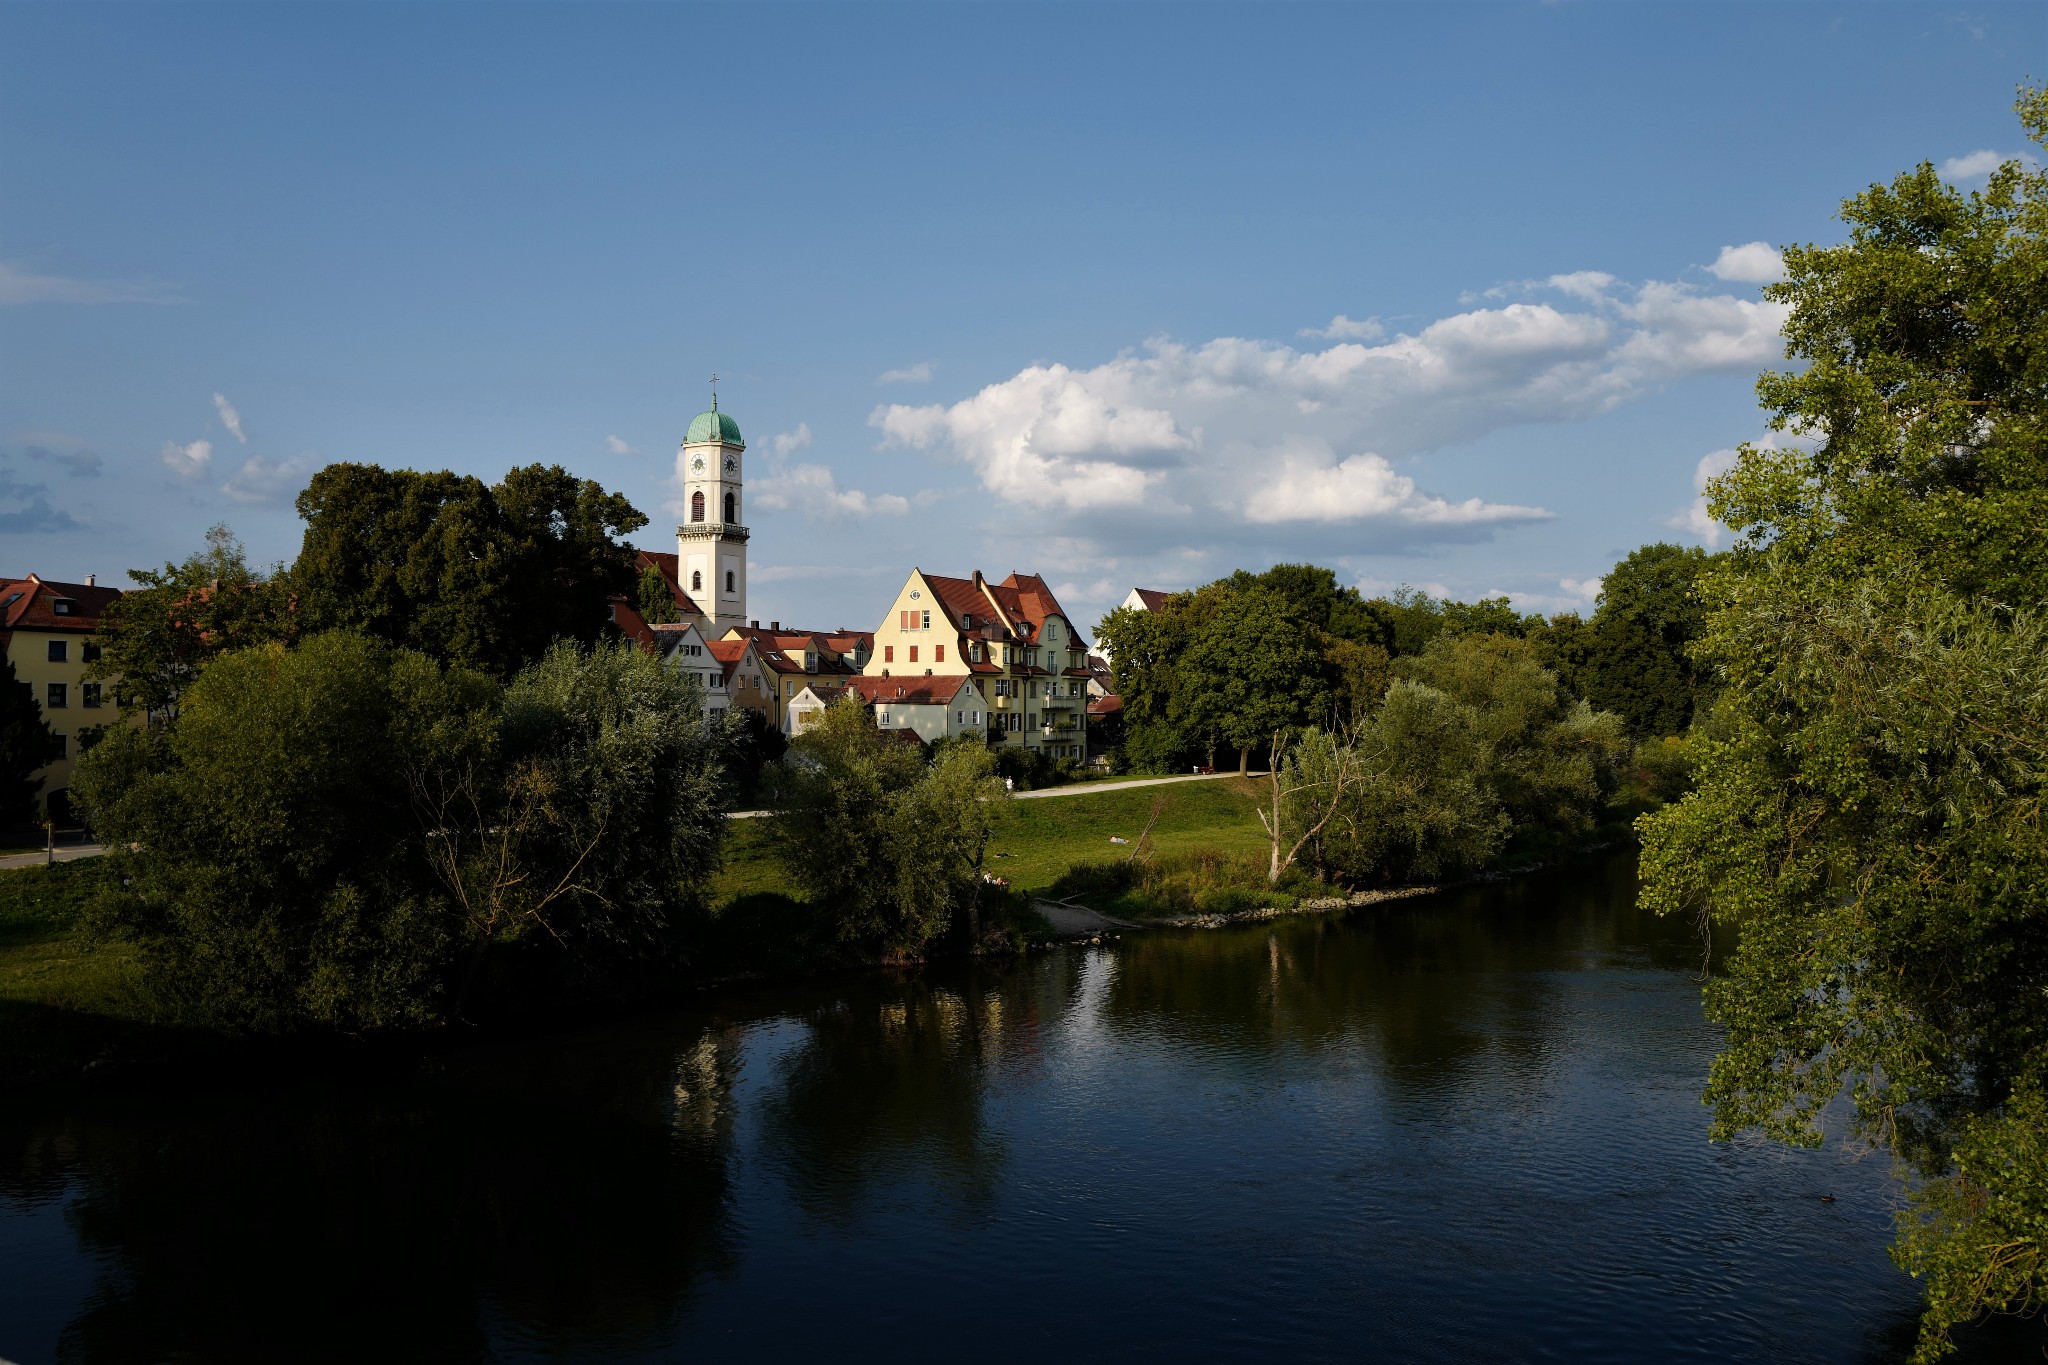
[533,1197]
[1458,1128]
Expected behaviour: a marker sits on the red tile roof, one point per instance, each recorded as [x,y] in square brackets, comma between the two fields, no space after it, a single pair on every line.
[1021,602]
[915,691]
[672,573]
[1152,598]
[30,604]
[1105,706]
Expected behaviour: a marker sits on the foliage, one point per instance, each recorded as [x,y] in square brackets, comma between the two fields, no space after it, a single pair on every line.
[27,743]
[277,878]
[481,576]
[596,819]
[1868,801]
[337,834]
[886,844]
[1648,617]
[1205,881]
[653,600]
[155,638]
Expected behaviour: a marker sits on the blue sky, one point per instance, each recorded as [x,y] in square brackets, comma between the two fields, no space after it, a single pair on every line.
[1119,294]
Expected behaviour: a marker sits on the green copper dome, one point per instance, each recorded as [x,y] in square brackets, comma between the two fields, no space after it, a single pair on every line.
[714,426]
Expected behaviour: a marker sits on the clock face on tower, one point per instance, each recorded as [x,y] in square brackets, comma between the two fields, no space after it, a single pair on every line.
[698,464]
[731,465]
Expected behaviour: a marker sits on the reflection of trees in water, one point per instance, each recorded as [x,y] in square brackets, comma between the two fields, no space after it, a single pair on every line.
[412,1222]
[1431,986]
[891,1081]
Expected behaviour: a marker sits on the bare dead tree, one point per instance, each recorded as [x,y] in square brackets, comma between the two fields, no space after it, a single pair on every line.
[1347,771]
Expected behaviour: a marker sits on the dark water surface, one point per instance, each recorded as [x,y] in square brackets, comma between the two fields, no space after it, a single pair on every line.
[1460,1128]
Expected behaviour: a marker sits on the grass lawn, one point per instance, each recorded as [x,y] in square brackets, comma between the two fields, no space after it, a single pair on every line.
[60,1000]
[1035,841]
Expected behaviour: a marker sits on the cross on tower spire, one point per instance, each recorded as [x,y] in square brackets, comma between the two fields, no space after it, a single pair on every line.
[714,392]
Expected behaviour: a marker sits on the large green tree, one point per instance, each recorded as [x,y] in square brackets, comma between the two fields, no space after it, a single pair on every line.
[1868,802]
[1637,662]
[485,576]
[26,743]
[888,846]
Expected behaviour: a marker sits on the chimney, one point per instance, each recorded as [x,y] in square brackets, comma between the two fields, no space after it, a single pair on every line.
[775,625]
[92,580]
[753,625]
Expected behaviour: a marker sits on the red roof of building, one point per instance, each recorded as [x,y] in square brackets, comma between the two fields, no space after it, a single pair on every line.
[1153,599]
[1105,706]
[783,650]
[938,690]
[31,604]
[1020,603]
[672,574]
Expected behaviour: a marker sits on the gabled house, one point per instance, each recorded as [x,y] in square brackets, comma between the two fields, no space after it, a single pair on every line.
[939,707]
[46,629]
[796,659]
[684,649]
[743,677]
[1012,639]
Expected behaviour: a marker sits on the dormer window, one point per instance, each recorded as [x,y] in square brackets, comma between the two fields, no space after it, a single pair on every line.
[63,606]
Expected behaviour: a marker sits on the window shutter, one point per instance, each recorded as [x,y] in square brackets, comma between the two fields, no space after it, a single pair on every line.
[938,654]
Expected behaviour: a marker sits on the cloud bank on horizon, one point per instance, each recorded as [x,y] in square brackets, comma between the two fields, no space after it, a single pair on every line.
[1161,435]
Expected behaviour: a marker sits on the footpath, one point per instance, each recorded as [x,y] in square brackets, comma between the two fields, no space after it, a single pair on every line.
[65,853]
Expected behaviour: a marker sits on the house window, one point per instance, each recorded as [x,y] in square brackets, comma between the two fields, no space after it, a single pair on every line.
[90,652]
[1052,630]
[63,746]
[913,654]
[888,654]
[697,506]
[696,581]
[63,606]
[59,696]
[1034,689]
[731,507]
[89,696]
[938,654]
[58,650]
[926,623]
[976,720]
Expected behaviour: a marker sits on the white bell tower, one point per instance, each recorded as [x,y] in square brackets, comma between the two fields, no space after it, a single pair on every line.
[711,542]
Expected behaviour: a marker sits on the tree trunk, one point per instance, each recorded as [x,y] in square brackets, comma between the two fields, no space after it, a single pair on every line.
[1244,761]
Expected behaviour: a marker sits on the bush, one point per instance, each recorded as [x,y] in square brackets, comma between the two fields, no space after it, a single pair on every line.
[1206,882]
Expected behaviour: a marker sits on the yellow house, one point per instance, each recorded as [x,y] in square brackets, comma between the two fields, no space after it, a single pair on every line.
[1011,639]
[47,630]
[795,659]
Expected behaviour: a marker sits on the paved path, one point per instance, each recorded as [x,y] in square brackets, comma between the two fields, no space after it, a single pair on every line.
[1089,788]
[65,853]
[1077,789]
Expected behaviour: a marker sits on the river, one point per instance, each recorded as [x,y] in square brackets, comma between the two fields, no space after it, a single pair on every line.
[1464,1127]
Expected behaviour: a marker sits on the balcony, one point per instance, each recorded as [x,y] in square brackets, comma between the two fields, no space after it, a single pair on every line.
[712,530]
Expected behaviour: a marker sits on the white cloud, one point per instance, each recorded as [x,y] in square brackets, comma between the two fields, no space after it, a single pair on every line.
[21,286]
[264,480]
[1364,486]
[920,373]
[1750,263]
[814,491]
[1585,589]
[787,443]
[188,461]
[1979,165]
[617,445]
[1342,328]
[229,418]
[1173,431]
[1696,518]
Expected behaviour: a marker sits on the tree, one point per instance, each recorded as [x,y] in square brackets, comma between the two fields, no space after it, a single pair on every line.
[1649,615]
[885,844]
[482,576]
[1868,808]
[270,869]
[27,743]
[1252,667]
[652,598]
[154,639]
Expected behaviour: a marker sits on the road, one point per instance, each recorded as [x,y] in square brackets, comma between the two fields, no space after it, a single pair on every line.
[65,853]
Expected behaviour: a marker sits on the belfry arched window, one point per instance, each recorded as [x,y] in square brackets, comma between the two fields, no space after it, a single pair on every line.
[728,580]
[731,507]
[697,506]
[696,581]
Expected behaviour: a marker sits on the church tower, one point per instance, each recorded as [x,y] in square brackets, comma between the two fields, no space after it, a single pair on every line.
[711,544]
